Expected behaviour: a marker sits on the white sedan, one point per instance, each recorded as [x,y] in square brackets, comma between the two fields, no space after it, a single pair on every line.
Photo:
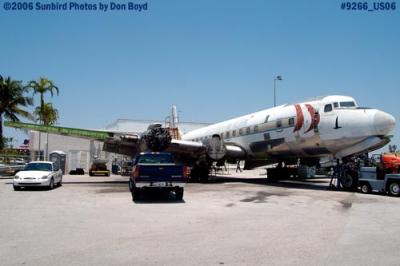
[40,173]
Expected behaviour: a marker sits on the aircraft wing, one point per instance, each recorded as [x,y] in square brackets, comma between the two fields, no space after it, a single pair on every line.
[156,138]
[66,131]
[117,142]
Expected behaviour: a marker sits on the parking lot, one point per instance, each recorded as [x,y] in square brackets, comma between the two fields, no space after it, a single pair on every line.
[234,219]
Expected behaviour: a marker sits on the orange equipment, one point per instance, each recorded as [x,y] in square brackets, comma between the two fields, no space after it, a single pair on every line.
[391,162]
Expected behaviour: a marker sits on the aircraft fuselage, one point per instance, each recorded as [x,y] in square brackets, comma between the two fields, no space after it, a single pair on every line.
[330,126]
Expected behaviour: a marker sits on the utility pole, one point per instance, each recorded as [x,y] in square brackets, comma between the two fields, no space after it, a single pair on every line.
[275,79]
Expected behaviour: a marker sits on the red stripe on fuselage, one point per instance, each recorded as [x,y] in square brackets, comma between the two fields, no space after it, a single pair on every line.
[311,111]
[300,118]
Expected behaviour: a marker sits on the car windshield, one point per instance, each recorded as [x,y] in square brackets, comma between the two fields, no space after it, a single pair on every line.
[155,158]
[38,167]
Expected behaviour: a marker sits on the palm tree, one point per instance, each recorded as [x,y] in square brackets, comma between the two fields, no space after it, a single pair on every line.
[42,86]
[12,99]
[48,115]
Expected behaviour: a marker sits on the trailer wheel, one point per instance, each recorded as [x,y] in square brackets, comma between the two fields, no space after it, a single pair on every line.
[365,188]
[394,188]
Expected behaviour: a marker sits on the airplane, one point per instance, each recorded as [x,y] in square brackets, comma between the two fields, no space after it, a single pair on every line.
[302,133]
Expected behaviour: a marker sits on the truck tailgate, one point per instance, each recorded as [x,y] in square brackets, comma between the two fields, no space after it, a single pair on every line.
[160,172]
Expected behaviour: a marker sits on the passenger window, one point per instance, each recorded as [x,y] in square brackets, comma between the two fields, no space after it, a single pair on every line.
[267,136]
[248,130]
[241,131]
[328,108]
[279,123]
[266,119]
[336,105]
[291,121]
[227,134]
[234,133]
[255,129]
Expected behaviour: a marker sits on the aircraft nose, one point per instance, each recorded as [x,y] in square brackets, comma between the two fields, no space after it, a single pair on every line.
[383,123]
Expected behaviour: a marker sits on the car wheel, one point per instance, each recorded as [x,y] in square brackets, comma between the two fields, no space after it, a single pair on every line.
[365,188]
[60,183]
[51,184]
[17,188]
[394,189]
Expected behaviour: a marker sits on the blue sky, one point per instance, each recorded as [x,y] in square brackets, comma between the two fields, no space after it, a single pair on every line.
[213,59]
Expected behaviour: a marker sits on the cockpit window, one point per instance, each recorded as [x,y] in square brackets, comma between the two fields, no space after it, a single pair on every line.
[328,108]
[347,104]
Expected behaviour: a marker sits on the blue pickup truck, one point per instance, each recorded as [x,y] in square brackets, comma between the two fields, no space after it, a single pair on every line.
[157,171]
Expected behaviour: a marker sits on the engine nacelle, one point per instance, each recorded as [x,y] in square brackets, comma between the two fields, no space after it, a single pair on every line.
[126,145]
[156,137]
[216,149]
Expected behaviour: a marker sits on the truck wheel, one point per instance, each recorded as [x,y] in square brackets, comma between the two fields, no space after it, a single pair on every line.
[365,188]
[179,194]
[135,194]
[394,188]
[130,184]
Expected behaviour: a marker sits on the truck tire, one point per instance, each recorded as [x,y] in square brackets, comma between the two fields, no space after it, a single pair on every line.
[394,188]
[365,188]
[130,184]
[179,194]
[136,194]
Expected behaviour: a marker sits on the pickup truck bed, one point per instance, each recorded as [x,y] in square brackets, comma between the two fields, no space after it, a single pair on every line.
[157,171]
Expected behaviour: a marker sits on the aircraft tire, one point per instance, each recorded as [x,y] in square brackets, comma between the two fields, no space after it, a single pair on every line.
[203,174]
[349,181]
[194,174]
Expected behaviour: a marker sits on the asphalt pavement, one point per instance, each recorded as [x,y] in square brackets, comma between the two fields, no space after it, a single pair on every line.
[235,219]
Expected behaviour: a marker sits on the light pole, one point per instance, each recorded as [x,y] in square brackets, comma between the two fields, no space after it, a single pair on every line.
[275,79]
